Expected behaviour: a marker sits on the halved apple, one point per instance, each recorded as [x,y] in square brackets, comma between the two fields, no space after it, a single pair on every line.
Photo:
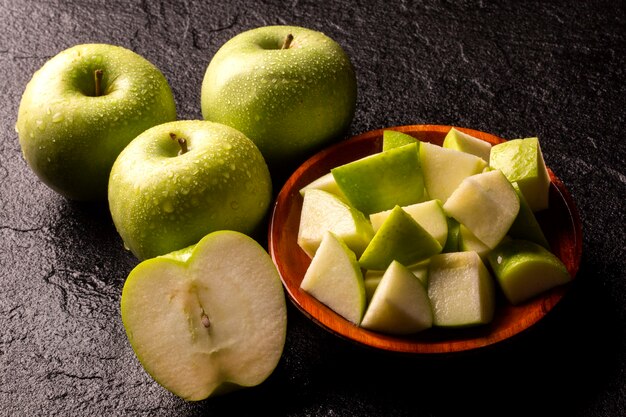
[207,319]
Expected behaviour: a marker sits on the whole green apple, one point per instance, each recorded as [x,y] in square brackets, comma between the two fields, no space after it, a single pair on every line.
[289,89]
[82,108]
[178,181]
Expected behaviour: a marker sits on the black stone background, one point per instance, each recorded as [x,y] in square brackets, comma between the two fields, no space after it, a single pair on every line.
[531,68]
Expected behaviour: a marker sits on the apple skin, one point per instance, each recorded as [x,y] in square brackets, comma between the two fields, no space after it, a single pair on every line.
[70,137]
[161,201]
[290,101]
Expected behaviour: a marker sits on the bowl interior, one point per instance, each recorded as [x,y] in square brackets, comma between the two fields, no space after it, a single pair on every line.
[560,222]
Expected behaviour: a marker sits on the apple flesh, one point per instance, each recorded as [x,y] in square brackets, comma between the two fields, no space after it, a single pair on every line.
[162,199]
[71,132]
[322,212]
[486,204]
[444,169]
[400,304]
[460,289]
[334,278]
[207,319]
[524,269]
[325,183]
[290,98]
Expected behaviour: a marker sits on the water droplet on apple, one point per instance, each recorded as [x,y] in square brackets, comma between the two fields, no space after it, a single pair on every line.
[57,117]
[167,206]
[234,205]
[40,125]
[233,166]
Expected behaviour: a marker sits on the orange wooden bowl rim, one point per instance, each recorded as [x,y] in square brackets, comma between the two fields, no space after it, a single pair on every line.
[561,224]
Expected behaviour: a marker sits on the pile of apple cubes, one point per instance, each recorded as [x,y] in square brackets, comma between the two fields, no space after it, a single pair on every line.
[411,237]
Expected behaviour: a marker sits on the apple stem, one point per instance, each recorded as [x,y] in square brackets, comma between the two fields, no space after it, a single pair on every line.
[182,142]
[287,42]
[98,81]
[205,320]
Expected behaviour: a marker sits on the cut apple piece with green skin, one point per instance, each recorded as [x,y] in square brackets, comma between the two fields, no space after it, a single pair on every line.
[444,169]
[521,161]
[394,139]
[322,212]
[525,269]
[335,279]
[207,319]
[378,182]
[372,277]
[461,141]
[429,215]
[399,238]
[454,236]
[461,290]
[325,183]
[400,304]
[526,226]
[486,204]
[470,243]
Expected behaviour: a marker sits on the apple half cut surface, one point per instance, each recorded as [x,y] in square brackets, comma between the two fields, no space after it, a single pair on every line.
[207,319]
[560,223]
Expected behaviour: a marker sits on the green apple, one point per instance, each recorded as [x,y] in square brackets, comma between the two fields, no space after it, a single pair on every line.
[525,269]
[486,204]
[289,89]
[400,304]
[461,141]
[82,108]
[460,289]
[322,212]
[526,226]
[335,279]
[444,169]
[394,139]
[521,161]
[399,238]
[325,183]
[454,236]
[429,214]
[207,319]
[167,194]
[380,181]
[372,277]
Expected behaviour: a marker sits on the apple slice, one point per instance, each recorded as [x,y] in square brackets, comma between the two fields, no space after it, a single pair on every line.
[335,279]
[394,139]
[521,161]
[460,289]
[400,304]
[486,204]
[444,169]
[207,319]
[470,243]
[429,215]
[526,226]
[380,181]
[372,277]
[399,238]
[322,212]
[525,269]
[461,141]
[325,183]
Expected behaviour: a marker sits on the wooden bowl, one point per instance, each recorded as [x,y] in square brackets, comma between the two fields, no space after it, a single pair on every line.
[560,222]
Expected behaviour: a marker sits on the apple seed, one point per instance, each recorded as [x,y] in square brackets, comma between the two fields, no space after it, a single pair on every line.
[205,320]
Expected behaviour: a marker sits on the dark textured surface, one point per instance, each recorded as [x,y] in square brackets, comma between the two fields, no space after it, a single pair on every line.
[554,70]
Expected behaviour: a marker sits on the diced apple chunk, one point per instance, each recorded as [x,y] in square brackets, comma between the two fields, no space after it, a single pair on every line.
[322,212]
[460,289]
[400,304]
[461,141]
[335,279]
[486,204]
